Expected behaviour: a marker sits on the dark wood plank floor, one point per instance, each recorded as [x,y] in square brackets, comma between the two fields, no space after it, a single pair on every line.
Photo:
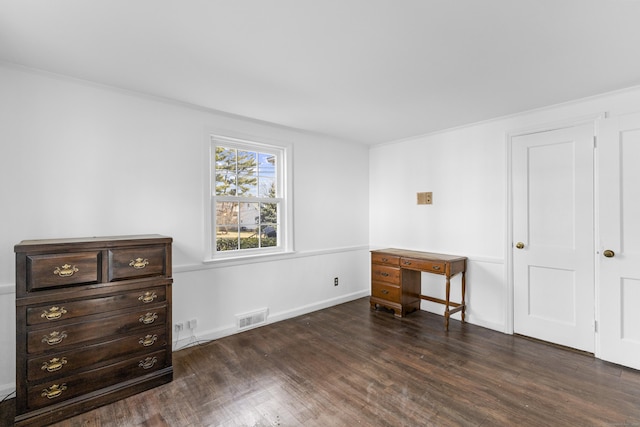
[348,365]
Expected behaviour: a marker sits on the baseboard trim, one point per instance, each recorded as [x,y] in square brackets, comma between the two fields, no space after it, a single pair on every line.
[232,329]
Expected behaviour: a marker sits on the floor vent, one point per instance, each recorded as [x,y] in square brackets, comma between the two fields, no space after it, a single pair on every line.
[251,320]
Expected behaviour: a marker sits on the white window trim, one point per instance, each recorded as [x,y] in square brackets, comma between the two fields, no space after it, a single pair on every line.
[285,231]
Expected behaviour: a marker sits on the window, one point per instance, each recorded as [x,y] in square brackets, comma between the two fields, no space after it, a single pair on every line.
[248,205]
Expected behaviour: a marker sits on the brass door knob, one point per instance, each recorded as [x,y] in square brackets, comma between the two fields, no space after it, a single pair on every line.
[519,245]
[609,253]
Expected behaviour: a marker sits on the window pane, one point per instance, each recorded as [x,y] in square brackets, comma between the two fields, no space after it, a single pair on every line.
[269,236]
[266,164]
[225,172]
[249,216]
[269,224]
[250,242]
[226,159]
[227,230]
[267,187]
[227,242]
[267,175]
[247,162]
[225,184]
[247,183]
[268,213]
[247,186]
[227,214]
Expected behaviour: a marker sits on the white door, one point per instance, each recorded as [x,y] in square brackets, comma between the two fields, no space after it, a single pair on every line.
[619,281]
[553,236]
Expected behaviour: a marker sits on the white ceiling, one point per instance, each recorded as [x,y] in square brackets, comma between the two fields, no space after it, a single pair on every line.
[368,71]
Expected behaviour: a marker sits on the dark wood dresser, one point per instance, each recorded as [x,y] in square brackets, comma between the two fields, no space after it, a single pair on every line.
[93,323]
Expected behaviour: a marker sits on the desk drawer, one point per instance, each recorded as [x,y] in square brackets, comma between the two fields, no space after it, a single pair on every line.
[423,265]
[386,291]
[385,274]
[382,258]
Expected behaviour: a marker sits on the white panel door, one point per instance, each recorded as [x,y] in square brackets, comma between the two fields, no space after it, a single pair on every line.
[553,233]
[619,281]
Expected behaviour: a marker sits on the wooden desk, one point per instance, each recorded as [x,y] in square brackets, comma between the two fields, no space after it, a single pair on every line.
[396,280]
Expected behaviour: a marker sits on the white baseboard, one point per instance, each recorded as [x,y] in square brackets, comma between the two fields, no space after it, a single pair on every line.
[232,329]
[276,317]
[499,327]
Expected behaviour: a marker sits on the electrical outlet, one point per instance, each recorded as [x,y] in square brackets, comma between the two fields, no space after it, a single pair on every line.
[335,281]
[192,324]
[178,327]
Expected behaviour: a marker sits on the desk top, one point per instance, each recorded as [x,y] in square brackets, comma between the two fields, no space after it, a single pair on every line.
[421,255]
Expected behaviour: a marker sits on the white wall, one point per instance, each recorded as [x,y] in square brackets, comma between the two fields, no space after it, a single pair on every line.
[84,160]
[466,169]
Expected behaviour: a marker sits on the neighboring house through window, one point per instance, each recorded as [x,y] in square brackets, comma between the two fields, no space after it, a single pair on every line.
[248,203]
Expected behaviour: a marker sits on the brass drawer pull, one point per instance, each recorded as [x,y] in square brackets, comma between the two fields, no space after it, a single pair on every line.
[148,318]
[54,364]
[54,337]
[147,297]
[148,362]
[139,263]
[436,267]
[384,274]
[406,262]
[384,291]
[54,391]
[65,271]
[385,259]
[148,341]
[54,313]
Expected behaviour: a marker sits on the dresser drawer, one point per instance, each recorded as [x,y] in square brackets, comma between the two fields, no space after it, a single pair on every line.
[136,262]
[386,291]
[56,311]
[50,271]
[382,258]
[72,361]
[384,273]
[63,335]
[423,265]
[52,392]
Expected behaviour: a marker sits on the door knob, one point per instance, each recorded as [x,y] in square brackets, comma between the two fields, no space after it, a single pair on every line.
[519,245]
[609,253]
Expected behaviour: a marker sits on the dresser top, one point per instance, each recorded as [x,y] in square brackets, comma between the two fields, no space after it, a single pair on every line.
[106,241]
[420,255]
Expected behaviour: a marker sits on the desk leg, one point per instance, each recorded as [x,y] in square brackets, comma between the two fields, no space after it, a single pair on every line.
[464,303]
[446,310]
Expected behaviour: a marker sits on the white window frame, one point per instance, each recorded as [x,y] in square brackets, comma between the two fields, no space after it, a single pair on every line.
[283,185]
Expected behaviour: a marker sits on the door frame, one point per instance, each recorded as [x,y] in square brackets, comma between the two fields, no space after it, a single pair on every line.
[592,119]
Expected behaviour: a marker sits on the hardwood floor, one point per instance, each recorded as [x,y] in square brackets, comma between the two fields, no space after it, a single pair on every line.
[348,365]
